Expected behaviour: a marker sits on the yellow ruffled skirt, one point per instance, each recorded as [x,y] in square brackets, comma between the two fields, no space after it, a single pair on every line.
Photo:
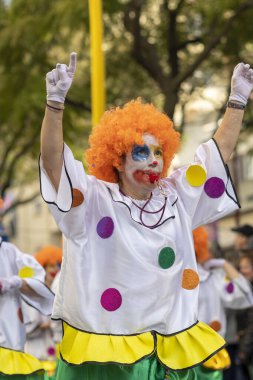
[183,350]
[18,363]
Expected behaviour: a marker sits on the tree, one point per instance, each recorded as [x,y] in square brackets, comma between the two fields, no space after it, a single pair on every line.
[161,50]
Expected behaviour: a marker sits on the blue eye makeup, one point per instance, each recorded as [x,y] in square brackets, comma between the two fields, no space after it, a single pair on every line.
[140,152]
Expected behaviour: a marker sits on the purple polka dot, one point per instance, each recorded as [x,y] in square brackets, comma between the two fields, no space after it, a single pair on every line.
[230,287]
[214,187]
[51,351]
[111,299]
[105,227]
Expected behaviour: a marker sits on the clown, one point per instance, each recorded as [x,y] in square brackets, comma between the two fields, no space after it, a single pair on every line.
[221,286]
[21,279]
[128,290]
[39,328]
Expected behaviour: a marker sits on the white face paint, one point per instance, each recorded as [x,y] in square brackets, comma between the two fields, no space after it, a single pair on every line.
[144,164]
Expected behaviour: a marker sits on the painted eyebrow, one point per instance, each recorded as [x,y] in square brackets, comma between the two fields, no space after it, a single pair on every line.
[157,147]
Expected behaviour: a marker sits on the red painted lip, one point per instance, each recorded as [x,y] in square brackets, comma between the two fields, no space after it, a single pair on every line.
[53,274]
[153,177]
[150,176]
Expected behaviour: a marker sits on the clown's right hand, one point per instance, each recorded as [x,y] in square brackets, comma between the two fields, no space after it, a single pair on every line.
[9,283]
[59,80]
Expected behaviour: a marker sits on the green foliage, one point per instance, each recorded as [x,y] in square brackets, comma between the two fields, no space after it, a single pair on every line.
[159,50]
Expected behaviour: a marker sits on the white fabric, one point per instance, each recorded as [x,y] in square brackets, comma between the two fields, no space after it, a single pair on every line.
[7,284]
[12,330]
[152,297]
[214,263]
[214,297]
[40,341]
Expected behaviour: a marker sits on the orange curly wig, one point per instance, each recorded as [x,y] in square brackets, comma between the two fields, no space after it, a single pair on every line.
[49,255]
[200,238]
[121,128]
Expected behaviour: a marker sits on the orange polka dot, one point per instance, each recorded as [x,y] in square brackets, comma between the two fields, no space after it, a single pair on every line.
[190,279]
[78,198]
[20,315]
[216,325]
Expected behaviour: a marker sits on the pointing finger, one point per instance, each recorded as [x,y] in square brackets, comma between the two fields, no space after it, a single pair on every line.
[72,63]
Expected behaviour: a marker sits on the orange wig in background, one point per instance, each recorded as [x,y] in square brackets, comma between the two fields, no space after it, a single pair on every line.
[120,129]
[49,255]
[200,238]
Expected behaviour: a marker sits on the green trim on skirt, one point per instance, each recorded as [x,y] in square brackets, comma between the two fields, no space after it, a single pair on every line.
[36,376]
[208,374]
[148,369]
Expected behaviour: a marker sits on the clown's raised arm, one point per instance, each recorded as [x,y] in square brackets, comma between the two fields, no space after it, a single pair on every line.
[241,86]
[58,82]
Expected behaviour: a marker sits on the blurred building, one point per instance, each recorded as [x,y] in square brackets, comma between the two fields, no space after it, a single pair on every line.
[31,226]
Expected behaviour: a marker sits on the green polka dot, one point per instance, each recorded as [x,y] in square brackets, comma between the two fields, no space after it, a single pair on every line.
[166,258]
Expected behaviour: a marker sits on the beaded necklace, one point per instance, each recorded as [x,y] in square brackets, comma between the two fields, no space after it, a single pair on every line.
[142,210]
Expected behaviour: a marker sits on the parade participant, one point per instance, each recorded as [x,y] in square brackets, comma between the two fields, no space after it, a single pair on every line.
[21,278]
[242,235]
[39,329]
[128,288]
[221,286]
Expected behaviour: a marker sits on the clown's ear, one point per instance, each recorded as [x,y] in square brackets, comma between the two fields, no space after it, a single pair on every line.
[121,166]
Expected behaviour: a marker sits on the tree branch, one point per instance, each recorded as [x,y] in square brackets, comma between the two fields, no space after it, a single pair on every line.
[9,147]
[20,202]
[13,163]
[78,105]
[149,61]
[214,41]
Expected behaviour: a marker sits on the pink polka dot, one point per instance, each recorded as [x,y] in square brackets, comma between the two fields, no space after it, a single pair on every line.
[111,299]
[214,187]
[105,227]
[51,351]
[230,287]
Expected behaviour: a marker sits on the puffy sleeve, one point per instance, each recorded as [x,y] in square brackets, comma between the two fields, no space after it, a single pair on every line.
[236,293]
[205,186]
[34,275]
[69,204]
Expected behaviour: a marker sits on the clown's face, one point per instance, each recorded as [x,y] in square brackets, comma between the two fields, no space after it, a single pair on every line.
[143,165]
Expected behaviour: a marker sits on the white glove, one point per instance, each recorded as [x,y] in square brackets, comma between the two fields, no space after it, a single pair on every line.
[214,263]
[7,284]
[241,83]
[59,80]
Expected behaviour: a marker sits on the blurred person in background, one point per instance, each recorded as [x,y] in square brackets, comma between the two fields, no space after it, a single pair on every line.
[40,335]
[243,242]
[21,279]
[221,286]
[242,235]
[245,318]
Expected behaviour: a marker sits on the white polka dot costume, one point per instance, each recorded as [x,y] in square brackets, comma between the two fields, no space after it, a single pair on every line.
[13,262]
[129,272]
[217,292]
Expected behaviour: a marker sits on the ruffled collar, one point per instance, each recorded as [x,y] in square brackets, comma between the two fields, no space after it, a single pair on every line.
[150,213]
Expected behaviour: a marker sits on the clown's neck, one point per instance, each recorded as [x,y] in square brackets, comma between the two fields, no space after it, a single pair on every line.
[139,194]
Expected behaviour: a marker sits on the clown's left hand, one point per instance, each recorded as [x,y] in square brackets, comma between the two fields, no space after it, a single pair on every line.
[241,83]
